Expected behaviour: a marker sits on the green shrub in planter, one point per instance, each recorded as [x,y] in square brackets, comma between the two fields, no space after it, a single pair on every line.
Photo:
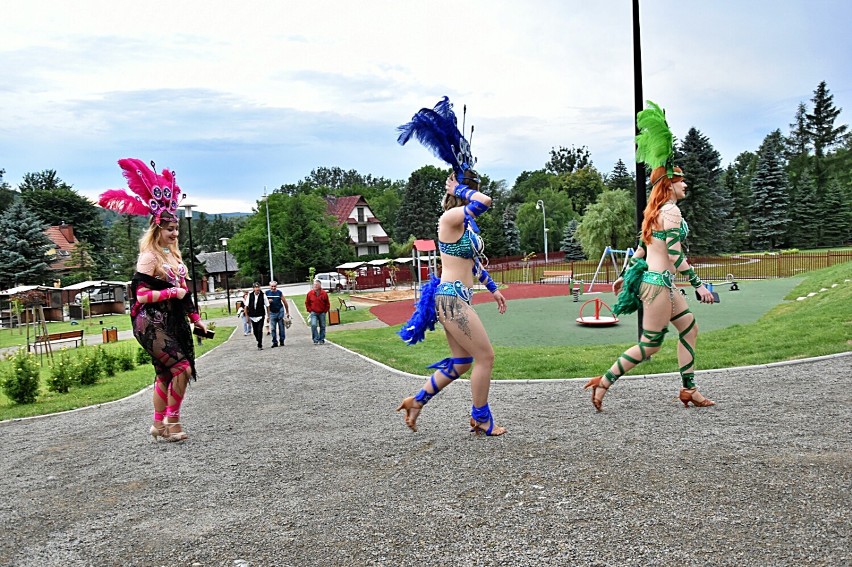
[21,379]
[62,373]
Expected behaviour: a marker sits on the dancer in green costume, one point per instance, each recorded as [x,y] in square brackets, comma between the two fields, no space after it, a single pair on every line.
[649,280]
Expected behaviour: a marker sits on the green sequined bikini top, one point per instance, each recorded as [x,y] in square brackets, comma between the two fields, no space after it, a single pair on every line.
[681,232]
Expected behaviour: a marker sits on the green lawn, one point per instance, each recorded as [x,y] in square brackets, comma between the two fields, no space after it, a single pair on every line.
[791,329]
[119,386]
[360,313]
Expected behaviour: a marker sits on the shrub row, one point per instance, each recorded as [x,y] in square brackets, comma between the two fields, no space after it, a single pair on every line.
[83,367]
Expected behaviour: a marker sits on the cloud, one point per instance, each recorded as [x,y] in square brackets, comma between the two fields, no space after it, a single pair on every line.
[238,96]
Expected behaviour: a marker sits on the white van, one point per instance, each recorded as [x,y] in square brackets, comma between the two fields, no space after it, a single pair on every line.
[331,281]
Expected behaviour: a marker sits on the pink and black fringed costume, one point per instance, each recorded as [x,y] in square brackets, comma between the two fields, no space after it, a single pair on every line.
[159,318]
[160,322]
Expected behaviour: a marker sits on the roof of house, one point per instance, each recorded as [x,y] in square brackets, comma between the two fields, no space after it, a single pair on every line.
[214,262]
[342,207]
[64,243]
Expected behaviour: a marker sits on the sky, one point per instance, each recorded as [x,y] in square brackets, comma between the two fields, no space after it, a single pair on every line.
[241,96]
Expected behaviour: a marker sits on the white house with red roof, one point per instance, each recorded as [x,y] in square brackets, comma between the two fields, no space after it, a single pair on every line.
[365,231]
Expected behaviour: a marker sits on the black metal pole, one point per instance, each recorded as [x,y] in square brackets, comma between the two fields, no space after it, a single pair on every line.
[227,285]
[192,266]
[638,104]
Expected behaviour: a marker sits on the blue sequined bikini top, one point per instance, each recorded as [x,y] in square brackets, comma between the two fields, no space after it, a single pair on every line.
[468,246]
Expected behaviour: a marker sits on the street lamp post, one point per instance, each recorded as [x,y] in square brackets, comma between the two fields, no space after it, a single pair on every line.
[540,205]
[227,284]
[268,234]
[188,215]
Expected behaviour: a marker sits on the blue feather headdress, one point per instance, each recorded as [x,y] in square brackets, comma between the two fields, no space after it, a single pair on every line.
[437,129]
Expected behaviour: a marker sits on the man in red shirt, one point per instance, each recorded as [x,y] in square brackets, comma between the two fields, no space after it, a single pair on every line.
[317,305]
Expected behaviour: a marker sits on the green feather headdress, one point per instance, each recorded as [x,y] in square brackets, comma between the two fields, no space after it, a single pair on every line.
[655,142]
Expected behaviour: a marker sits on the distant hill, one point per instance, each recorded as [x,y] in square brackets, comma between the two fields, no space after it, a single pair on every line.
[227,215]
[109,217]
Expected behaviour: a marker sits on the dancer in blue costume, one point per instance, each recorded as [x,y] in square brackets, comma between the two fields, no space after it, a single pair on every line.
[448,300]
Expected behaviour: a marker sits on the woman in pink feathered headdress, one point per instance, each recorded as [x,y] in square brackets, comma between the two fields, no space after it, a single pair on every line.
[161,302]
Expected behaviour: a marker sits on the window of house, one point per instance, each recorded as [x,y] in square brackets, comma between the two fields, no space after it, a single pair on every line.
[362,234]
[361,217]
[372,249]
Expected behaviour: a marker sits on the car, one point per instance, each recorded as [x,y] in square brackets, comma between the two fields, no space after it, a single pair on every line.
[331,281]
[96,295]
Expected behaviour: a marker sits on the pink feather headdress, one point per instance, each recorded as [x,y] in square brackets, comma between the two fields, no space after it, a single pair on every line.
[156,195]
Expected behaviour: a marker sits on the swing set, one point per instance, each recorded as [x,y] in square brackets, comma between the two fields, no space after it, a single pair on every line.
[611,252]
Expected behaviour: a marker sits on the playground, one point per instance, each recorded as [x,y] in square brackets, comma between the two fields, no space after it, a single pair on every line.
[545,315]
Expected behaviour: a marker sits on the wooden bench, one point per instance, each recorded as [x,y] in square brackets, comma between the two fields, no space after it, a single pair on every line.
[344,306]
[65,336]
[557,274]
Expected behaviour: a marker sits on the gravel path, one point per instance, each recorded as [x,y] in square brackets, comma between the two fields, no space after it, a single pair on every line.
[296,457]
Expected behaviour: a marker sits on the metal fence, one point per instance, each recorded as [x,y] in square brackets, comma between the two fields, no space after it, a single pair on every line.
[710,268]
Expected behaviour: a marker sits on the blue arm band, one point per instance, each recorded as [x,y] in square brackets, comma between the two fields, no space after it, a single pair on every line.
[475,208]
[464,192]
[485,278]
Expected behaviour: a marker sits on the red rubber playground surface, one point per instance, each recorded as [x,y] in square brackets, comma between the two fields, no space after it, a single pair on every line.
[398,312]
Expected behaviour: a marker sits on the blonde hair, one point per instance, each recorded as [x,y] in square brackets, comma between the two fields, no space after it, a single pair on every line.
[150,242]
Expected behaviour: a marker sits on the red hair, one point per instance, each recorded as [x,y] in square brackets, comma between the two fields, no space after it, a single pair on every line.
[661,193]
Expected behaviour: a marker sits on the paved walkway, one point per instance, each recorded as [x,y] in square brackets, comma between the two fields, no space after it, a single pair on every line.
[296,457]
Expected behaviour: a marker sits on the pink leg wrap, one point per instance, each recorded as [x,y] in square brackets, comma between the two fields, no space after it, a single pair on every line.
[173,410]
[158,389]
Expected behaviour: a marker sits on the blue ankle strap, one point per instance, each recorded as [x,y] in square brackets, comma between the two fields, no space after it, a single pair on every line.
[445,367]
[482,415]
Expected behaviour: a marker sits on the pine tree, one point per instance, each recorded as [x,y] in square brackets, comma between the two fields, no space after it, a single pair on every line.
[708,204]
[570,245]
[824,136]
[836,216]
[803,230]
[770,217]
[820,123]
[513,235]
[737,181]
[620,178]
[7,196]
[25,246]
[421,204]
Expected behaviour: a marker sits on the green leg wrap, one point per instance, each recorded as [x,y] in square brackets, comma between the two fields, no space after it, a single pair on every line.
[688,378]
[652,339]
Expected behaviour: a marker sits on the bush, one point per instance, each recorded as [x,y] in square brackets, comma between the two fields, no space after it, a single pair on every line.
[21,379]
[89,368]
[107,360]
[62,373]
[125,359]
[142,357]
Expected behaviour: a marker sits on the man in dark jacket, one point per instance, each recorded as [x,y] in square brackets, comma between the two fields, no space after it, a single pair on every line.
[257,307]
[317,305]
